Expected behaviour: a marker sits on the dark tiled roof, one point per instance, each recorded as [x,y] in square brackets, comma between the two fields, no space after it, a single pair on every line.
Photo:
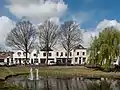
[80,47]
[4,55]
[46,49]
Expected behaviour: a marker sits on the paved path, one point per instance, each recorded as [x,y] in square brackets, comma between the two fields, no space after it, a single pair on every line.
[55,67]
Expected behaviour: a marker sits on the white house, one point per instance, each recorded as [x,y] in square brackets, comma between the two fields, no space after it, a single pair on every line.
[77,56]
[19,57]
[6,58]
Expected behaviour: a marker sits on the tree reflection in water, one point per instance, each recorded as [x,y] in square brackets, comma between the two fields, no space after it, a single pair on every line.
[48,83]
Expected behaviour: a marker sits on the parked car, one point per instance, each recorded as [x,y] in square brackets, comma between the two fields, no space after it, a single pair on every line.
[51,63]
[2,64]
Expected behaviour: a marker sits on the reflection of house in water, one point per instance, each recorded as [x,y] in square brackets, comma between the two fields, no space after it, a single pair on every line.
[76,56]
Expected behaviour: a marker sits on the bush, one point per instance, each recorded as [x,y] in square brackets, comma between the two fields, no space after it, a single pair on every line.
[107,68]
[92,66]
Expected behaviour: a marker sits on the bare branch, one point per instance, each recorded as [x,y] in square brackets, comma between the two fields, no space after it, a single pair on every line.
[70,36]
[48,35]
[22,36]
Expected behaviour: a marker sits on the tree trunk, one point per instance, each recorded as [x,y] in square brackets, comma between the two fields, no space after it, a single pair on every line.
[47,54]
[73,60]
[67,57]
[26,58]
[26,51]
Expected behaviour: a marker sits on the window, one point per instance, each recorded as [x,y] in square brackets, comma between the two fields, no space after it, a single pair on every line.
[84,59]
[70,53]
[42,60]
[44,54]
[34,55]
[35,60]
[1,60]
[77,53]
[11,60]
[57,54]
[8,54]
[65,54]
[24,53]
[83,53]
[61,54]
[15,59]
[76,59]
[19,53]
[7,59]
[50,54]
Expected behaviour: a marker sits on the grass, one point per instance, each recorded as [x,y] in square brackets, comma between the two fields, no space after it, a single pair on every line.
[56,71]
[6,71]
[76,71]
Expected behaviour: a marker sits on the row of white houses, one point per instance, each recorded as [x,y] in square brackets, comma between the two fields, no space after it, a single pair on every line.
[37,57]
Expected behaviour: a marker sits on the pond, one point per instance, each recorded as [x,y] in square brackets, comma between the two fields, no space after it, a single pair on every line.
[75,83]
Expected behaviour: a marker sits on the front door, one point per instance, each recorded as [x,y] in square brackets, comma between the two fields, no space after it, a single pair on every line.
[7,61]
[79,60]
[31,61]
[20,61]
[64,60]
[42,61]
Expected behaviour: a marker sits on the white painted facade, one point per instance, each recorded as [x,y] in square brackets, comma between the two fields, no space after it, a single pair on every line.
[7,61]
[6,58]
[77,56]
[19,57]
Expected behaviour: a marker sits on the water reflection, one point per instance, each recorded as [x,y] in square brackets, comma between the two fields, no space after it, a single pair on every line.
[48,83]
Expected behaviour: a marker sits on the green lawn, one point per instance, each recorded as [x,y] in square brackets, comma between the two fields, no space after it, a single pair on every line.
[6,71]
[56,71]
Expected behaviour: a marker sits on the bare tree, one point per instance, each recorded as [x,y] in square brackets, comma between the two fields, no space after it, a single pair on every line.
[70,36]
[48,36]
[22,37]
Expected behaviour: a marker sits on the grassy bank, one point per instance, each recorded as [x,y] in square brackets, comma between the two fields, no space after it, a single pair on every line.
[76,71]
[6,71]
[56,71]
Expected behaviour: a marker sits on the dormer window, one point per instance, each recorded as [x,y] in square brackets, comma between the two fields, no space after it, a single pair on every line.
[9,55]
[34,55]
[61,54]
[24,53]
[19,53]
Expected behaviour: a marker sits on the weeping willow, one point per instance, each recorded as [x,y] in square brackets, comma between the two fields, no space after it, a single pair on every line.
[105,47]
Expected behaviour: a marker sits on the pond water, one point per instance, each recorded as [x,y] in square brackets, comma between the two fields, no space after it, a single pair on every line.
[75,83]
